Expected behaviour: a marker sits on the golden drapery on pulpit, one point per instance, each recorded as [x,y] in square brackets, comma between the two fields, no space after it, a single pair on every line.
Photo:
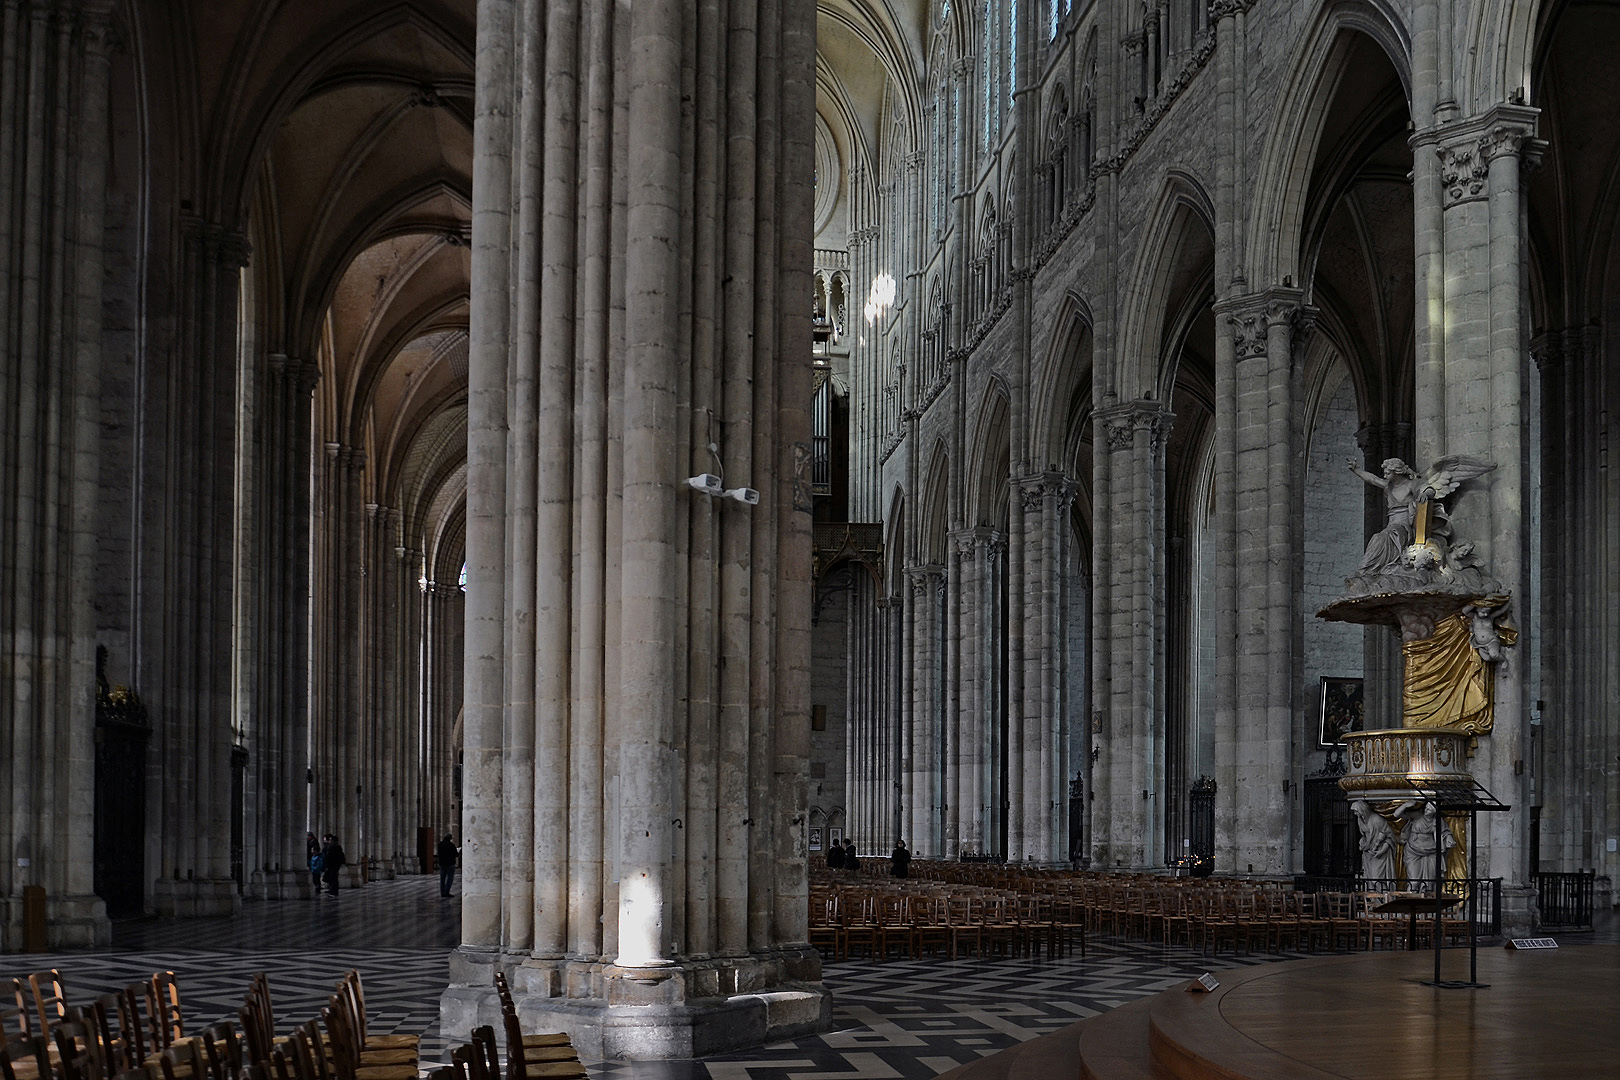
[1448,684]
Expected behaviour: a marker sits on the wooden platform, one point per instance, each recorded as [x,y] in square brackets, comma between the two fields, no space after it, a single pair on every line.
[1362,1017]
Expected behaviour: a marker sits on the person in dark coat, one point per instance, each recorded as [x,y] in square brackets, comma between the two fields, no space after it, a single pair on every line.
[900,860]
[446,855]
[852,861]
[312,848]
[835,856]
[335,860]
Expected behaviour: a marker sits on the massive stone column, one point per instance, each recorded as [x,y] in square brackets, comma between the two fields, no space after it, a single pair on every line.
[53,139]
[1263,416]
[186,598]
[1129,828]
[637,706]
[1042,756]
[277,735]
[1471,400]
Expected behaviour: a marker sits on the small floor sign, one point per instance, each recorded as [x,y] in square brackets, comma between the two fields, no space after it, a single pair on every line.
[1532,943]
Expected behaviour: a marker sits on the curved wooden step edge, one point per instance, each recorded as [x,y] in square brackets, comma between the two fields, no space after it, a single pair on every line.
[1114,1045]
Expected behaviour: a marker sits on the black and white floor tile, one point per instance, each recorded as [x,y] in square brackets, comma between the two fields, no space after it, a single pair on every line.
[892,1020]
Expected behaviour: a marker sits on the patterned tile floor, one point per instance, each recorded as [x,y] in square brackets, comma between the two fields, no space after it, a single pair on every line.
[891,1019]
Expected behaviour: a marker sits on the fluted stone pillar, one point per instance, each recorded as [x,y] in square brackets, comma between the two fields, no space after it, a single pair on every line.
[187,612]
[967,737]
[637,706]
[277,735]
[53,140]
[1129,831]
[1263,414]
[1472,402]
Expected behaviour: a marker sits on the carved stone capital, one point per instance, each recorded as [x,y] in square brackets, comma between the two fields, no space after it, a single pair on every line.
[925,578]
[1037,489]
[1464,172]
[1248,334]
[1547,350]
[225,248]
[1122,422]
[1379,441]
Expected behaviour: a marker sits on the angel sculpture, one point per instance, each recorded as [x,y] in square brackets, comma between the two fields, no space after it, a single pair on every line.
[1405,491]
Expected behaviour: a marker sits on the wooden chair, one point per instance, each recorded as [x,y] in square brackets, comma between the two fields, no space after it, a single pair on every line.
[1282,920]
[931,926]
[356,998]
[183,1060]
[538,1063]
[117,1053]
[349,1062]
[280,1066]
[15,1021]
[1068,922]
[1379,926]
[860,922]
[164,1018]
[50,1003]
[1315,929]
[893,925]
[78,1050]
[305,1054]
[824,928]
[133,1025]
[25,1058]
[222,1051]
[533,1041]
[485,1060]
[963,914]
[464,1062]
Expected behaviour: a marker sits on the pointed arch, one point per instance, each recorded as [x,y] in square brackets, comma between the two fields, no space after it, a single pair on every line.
[1277,219]
[1065,370]
[989,456]
[1179,240]
[1506,42]
[934,508]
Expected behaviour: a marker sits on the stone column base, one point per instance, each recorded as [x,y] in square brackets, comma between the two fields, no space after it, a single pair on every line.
[688,1009]
[279,885]
[189,899]
[1521,911]
[71,922]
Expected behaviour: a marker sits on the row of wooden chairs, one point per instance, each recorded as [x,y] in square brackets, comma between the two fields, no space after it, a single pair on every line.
[1039,905]
[110,1039]
[914,921]
[534,1056]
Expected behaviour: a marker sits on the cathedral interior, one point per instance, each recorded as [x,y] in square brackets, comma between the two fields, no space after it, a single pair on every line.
[653,442]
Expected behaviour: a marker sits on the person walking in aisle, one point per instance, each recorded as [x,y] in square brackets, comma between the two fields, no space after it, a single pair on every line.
[446,855]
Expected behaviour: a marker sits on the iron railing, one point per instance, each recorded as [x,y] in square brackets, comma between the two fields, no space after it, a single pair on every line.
[1487,921]
[1566,899]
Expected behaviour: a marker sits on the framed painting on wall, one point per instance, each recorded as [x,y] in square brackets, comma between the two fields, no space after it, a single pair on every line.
[815,839]
[1341,710]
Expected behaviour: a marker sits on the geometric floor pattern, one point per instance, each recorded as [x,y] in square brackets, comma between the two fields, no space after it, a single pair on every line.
[892,1020]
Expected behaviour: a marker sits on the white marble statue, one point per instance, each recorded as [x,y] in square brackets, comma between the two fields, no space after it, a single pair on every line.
[1404,491]
[1424,839]
[1377,842]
